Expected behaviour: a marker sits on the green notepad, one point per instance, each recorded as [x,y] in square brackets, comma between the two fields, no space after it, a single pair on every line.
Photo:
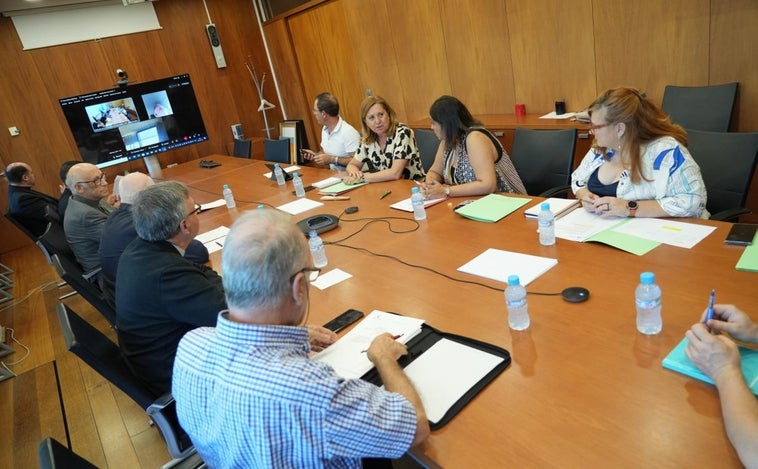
[340,188]
[749,259]
[677,360]
[491,208]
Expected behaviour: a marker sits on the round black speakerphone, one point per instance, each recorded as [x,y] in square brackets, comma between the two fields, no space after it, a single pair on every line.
[575,294]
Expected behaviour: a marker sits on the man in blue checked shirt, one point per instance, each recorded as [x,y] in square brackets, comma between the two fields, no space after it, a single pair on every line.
[246,391]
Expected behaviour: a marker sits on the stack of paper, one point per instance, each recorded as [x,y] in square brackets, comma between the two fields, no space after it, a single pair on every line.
[677,360]
[340,188]
[348,357]
[330,181]
[559,207]
[491,208]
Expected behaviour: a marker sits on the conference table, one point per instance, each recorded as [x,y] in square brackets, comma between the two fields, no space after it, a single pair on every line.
[584,389]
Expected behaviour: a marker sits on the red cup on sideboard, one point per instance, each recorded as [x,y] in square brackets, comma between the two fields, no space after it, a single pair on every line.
[521,110]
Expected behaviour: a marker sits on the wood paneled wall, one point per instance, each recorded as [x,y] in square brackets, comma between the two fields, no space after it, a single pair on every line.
[493,54]
[31,82]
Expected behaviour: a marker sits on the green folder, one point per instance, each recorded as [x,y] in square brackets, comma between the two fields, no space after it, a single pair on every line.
[340,188]
[677,360]
[749,259]
[491,208]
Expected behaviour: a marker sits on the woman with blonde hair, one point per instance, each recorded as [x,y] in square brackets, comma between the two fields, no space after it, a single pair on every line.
[639,165]
[388,148]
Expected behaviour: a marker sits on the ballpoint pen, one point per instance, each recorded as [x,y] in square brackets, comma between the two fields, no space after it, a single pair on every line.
[385,195]
[709,311]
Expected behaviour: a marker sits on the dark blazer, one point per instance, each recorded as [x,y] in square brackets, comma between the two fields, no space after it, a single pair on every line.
[63,203]
[118,232]
[29,207]
[160,296]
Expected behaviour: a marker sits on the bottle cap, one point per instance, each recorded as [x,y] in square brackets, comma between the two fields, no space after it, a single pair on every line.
[226,186]
[513,280]
[295,175]
[276,165]
[545,206]
[647,278]
[414,190]
[261,207]
[313,234]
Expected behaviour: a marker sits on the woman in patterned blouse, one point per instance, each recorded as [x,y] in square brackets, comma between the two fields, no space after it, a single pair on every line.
[470,160]
[388,147]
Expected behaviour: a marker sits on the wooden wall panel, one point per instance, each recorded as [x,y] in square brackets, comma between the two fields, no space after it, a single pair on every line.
[374,55]
[415,30]
[32,81]
[479,55]
[551,47]
[326,62]
[646,45]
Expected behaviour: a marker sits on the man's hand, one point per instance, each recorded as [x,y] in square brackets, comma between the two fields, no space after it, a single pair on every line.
[320,337]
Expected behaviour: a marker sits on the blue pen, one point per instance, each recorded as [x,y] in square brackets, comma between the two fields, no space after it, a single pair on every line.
[709,311]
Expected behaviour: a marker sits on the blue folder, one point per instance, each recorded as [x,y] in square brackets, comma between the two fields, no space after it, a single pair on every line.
[677,360]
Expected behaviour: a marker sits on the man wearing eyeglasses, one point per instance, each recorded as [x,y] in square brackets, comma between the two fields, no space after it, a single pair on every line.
[24,203]
[246,391]
[86,213]
[160,295]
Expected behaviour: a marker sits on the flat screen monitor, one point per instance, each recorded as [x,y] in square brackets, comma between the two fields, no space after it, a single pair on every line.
[134,121]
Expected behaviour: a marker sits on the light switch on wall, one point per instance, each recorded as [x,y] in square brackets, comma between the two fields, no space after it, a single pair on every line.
[14,131]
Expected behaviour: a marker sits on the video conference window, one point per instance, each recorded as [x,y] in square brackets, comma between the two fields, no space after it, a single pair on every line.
[129,122]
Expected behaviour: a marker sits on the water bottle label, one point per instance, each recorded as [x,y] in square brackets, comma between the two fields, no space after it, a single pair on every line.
[516,303]
[648,304]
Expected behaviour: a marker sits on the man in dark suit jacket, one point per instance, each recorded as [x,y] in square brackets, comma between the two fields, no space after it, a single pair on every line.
[27,205]
[160,295]
[119,231]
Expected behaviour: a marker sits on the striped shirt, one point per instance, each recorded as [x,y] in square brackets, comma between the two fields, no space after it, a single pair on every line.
[249,396]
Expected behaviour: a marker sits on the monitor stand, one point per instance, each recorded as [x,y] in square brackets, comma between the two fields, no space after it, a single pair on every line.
[153,167]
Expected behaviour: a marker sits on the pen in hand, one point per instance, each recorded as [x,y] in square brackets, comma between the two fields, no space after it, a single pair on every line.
[394,337]
[709,311]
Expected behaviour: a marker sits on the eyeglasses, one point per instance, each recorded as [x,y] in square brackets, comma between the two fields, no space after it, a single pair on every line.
[198,209]
[594,128]
[97,180]
[311,271]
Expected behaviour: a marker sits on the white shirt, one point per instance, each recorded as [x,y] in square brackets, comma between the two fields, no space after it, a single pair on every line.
[343,141]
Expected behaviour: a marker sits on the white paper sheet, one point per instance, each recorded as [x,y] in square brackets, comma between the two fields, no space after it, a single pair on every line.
[498,265]
[675,233]
[347,355]
[553,115]
[214,239]
[330,181]
[406,206]
[330,278]
[302,204]
[445,372]
[579,224]
[214,204]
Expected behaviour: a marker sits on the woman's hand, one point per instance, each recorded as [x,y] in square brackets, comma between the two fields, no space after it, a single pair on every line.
[610,207]
[354,175]
[433,190]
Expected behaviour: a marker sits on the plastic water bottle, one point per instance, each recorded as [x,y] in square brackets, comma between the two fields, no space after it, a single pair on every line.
[515,301]
[228,197]
[647,296]
[318,252]
[297,182]
[279,174]
[546,223]
[417,201]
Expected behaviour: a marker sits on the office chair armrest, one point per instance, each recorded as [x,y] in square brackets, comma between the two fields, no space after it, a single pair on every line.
[731,214]
[163,413]
[91,275]
[554,191]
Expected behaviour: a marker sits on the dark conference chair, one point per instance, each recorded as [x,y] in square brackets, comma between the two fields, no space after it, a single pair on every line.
[104,356]
[544,159]
[727,162]
[84,284]
[53,455]
[242,148]
[428,143]
[700,107]
[18,224]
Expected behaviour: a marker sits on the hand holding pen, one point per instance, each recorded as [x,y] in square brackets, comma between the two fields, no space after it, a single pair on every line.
[733,321]
[709,310]
[385,347]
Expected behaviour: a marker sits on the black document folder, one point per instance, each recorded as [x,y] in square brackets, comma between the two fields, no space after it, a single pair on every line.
[430,336]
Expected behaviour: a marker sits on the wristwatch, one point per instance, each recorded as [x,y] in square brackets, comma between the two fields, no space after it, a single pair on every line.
[632,206]
[447,190]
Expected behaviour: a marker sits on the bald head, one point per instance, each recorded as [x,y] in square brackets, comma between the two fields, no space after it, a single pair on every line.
[263,249]
[87,181]
[131,184]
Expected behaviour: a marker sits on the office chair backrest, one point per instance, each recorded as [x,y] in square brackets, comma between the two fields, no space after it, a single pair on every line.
[428,143]
[277,151]
[727,161]
[53,241]
[544,159]
[700,107]
[18,224]
[104,356]
[53,455]
[242,148]
[73,274]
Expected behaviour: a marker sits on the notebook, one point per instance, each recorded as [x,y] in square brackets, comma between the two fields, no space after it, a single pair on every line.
[491,208]
[340,188]
[677,361]
[406,206]
[559,207]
